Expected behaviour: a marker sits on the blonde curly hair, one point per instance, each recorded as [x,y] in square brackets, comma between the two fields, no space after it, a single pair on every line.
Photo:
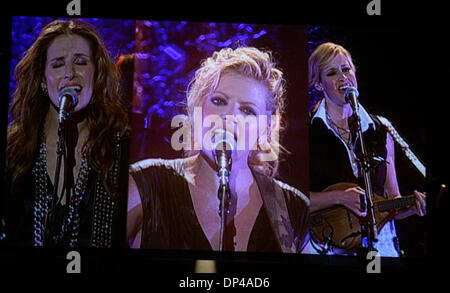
[253,63]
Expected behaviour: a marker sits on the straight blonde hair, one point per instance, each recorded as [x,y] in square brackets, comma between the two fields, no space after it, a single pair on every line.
[323,55]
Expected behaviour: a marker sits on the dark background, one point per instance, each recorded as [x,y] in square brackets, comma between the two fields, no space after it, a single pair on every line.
[163,79]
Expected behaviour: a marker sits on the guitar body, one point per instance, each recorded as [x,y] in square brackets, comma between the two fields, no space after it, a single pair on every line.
[339,227]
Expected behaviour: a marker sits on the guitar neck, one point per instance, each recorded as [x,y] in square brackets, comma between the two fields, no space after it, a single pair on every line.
[404,146]
[396,203]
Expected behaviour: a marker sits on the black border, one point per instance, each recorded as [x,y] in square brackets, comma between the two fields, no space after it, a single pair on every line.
[326,12]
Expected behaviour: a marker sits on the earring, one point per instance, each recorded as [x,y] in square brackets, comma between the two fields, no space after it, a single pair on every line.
[44,87]
[318,87]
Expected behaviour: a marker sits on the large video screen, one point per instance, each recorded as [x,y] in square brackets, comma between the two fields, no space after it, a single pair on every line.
[203,139]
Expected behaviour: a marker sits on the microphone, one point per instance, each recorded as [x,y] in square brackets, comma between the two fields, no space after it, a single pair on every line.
[351,96]
[68,99]
[223,146]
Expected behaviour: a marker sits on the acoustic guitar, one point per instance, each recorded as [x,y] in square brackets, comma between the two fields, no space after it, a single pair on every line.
[341,228]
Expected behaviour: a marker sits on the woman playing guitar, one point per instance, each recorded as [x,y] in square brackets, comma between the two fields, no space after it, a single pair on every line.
[335,150]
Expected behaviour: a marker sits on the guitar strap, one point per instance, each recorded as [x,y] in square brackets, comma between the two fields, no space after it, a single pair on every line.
[404,146]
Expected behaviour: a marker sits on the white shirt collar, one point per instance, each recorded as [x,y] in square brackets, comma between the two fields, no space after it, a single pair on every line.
[366,120]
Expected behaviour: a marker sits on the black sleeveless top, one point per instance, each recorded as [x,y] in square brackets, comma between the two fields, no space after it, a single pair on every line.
[170,222]
[329,162]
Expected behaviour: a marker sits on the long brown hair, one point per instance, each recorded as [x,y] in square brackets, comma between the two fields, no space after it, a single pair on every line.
[106,114]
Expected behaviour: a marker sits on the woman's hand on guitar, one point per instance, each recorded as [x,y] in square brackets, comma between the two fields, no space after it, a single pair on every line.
[421,205]
[350,198]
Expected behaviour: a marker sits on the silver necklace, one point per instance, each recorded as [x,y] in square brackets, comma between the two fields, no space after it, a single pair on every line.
[43,200]
[341,132]
[337,127]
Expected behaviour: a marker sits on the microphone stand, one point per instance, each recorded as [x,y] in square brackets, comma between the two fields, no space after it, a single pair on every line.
[67,99]
[60,152]
[369,233]
[223,193]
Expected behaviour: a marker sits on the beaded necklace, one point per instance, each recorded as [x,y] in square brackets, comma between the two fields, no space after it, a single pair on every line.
[341,132]
[43,201]
[103,210]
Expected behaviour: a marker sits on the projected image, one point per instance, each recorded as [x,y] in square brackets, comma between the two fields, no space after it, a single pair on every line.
[208,136]
[367,184]
[212,164]
[209,118]
[67,153]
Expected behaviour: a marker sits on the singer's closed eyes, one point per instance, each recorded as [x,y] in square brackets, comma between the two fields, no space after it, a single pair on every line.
[85,208]
[79,59]
[176,204]
[72,53]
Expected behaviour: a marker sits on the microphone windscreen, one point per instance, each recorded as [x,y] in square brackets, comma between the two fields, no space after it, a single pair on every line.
[349,91]
[223,140]
[69,91]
